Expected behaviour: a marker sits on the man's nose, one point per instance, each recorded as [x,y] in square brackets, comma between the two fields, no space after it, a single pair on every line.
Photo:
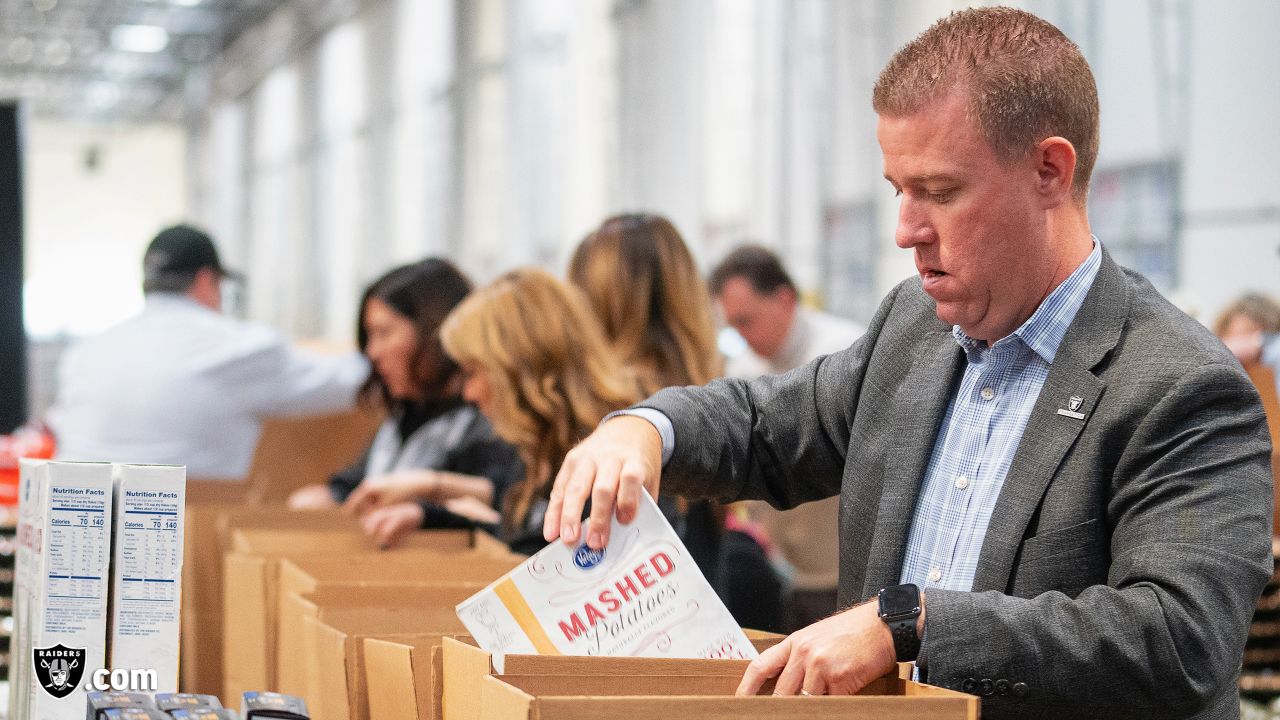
[913,224]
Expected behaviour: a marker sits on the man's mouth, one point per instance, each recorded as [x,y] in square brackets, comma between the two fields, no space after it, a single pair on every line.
[931,274]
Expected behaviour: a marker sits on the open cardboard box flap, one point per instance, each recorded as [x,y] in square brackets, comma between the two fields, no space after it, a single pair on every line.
[395,579]
[332,601]
[213,508]
[465,666]
[404,678]
[337,647]
[544,697]
[251,578]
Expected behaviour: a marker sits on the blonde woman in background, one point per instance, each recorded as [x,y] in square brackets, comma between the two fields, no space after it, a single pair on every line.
[536,363]
[641,281]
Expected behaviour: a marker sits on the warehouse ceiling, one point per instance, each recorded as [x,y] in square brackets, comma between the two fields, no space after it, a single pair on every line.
[114,60]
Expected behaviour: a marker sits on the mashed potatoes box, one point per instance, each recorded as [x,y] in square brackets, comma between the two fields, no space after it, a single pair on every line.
[642,595]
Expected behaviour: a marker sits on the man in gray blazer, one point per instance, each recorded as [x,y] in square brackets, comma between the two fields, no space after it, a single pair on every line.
[1054,486]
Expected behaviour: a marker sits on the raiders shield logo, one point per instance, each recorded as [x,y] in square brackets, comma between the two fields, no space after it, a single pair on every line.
[59,669]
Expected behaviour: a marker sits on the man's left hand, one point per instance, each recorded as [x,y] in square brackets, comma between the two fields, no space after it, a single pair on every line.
[836,656]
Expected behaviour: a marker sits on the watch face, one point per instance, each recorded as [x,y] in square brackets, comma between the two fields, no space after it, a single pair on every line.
[899,600]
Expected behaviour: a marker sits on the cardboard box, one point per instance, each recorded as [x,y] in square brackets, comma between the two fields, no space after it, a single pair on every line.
[26,571]
[405,678]
[68,598]
[465,666]
[251,583]
[297,451]
[146,571]
[550,697]
[296,609]
[337,680]
[311,574]
[214,509]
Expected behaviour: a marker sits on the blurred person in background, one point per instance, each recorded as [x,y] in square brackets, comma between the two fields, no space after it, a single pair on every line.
[182,384]
[536,363]
[758,299]
[433,449]
[641,281]
[1250,328]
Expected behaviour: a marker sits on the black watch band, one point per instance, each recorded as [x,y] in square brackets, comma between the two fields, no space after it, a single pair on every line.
[899,609]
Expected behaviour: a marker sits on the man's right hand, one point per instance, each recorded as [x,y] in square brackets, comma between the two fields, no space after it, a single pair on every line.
[622,458]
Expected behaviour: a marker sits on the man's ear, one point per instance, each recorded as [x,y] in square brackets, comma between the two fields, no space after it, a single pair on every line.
[1055,160]
[787,295]
[207,288]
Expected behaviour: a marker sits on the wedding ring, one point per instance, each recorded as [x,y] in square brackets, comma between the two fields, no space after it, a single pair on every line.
[805,693]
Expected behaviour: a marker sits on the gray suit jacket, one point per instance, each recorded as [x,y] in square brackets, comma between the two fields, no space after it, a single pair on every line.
[1126,552]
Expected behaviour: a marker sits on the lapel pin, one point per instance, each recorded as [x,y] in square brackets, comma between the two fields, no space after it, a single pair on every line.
[1074,412]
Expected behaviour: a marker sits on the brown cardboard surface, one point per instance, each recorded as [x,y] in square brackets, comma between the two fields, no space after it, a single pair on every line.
[404,678]
[251,570]
[336,539]
[296,451]
[466,665]
[460,575]
[620,696]
[294,609]
[391,676]
[201,597]
[338,673]
[213,509]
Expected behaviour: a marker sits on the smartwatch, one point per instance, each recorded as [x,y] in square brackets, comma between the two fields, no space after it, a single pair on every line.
[899,609]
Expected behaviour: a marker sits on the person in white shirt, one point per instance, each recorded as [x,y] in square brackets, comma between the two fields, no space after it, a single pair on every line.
[180,383]
[758,299]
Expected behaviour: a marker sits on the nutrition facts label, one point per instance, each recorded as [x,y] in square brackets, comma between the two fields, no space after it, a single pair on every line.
[78,546]
[149,550]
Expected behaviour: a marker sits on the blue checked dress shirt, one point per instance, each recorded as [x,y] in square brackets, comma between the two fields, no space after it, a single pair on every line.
[979,436]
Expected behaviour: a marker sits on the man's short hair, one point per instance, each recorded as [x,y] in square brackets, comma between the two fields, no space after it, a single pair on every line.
[756,265]
[168,282]
[1025,81]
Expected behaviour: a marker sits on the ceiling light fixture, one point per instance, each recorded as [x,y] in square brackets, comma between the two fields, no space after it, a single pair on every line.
[139,38]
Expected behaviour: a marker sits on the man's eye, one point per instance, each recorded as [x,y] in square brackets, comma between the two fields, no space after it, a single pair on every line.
[940,196]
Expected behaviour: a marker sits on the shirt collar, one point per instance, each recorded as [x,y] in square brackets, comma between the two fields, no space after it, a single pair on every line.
[1044,330]
[171,300]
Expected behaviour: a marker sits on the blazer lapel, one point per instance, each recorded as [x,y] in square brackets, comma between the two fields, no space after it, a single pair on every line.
[924,393]
[1049,435]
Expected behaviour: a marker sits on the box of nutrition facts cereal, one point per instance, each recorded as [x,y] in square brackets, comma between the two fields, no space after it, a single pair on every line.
[67,587]
[30,482]
[146,571]
[641,595]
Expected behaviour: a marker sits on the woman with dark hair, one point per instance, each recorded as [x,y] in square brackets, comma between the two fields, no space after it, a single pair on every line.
[537,364]
[433,447]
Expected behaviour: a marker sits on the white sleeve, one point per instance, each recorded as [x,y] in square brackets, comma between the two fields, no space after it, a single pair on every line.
[311,383]
[277,379]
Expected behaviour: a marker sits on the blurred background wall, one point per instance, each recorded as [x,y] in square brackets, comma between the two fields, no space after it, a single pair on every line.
[322,141]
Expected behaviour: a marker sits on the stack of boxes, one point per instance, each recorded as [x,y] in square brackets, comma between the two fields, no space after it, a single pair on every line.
[311,608]
[98,573]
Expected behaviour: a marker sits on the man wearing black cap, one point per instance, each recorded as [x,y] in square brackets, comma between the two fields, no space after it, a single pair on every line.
[182,259]
[180,383]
